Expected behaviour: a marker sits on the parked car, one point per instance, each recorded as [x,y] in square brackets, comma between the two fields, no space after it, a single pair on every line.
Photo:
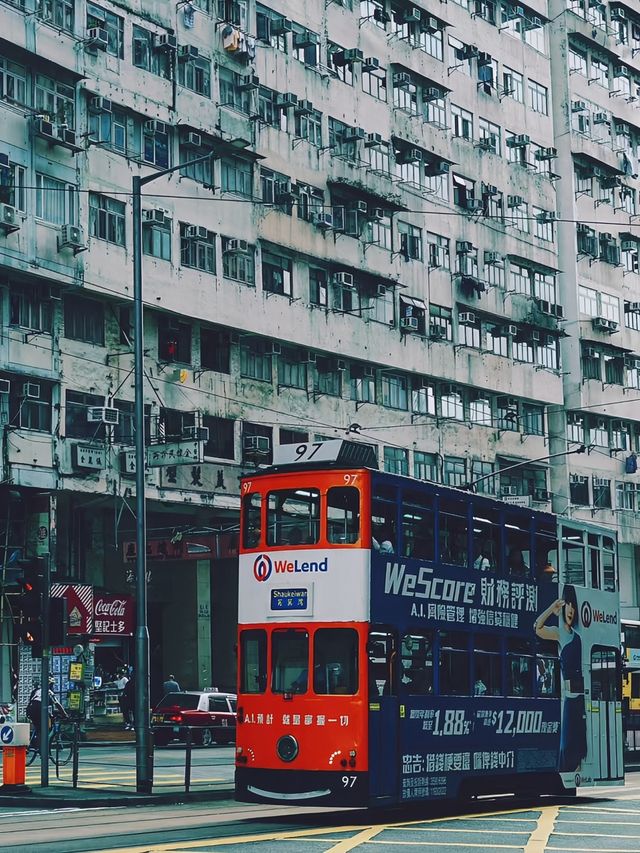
[210,716]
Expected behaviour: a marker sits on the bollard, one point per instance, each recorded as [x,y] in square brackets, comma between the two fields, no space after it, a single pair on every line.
[187,761]
[14,738]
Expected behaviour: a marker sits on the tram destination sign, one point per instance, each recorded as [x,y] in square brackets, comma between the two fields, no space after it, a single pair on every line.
[335,450]
[289,599]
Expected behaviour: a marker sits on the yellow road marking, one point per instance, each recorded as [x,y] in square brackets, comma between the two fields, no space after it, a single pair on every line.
[360,838]
[539,839]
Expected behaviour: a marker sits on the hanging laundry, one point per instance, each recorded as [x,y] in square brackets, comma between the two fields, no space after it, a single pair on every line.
[231,39]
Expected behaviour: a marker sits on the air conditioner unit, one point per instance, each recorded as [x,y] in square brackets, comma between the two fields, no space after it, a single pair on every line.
[192,140]
[31,390]
[359,207]
[368,372]
[323,221]
[544,305]
[448,390]
[153,216]
[603,324]
[66,136]
[165,42]
[541,495]
[196,232]
[306,38]
[474,205]
[97,38]
[43,127]
[618,14]
[484,59]
[196,433]
[463,247]
[71,237]
[634,307]
[410,324]
[249,82]
[153,127]
[5,386]
[99,105]
[488,143]
[438,167]
[508,490]
[621,71]
[341,364]
[533,23]
[256,444]
[515,201]
[520,140]
[489,189]
[187,52]
[610,182]
[591,352]
[373,140]
[536,336]
[286,101]
[238,246]
[512,330]
[303,108]
[376,214]
[578,106]
[470,51]
[370,64]
[547,216]
[8,218]
[284,191]
[401,79]
[431,24]
[437,332]
[353,134]
[103,415]
[431,93]
[353,54]
[412,15]
[600,118]
[280,26]
[412,155]
[546,153]
[343,279]
[467,318]
[492,258]
[622,128]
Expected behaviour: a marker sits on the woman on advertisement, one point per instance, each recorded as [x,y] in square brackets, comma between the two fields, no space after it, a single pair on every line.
[573,728]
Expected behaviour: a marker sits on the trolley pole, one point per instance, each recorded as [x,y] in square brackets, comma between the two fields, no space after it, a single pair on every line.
[144,747]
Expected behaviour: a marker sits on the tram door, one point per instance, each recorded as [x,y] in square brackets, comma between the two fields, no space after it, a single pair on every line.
[606,714]
[384,760]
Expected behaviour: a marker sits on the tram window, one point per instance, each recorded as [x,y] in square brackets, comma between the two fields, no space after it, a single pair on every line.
[518,549]
[593,560]
[417,528]
[335,661]
[609,575]
[290,661]
[547,671]
[293,517]
[251,520]
[519,668]
[545,542]
[253,661]
[453,671]
[486,543]
[381,651]
[343,515]
[487,666]
[605,675]
[416,664]
[452,529]
[573,556]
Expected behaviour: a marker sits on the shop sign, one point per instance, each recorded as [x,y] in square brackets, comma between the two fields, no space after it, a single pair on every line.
[113,615]
[89,456]
[76,672]
[633,656]
[79,605]
[175,453]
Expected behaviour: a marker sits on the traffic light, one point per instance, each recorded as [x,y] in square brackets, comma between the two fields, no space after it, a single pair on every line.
[30,585]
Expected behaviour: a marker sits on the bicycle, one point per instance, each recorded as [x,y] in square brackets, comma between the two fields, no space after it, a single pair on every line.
[60,744]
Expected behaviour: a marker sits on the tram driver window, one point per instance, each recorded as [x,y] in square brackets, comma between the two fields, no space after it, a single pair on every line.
[251,520]
[453,669]
[452,529]
[335,661]
[520,662]
[416,664]
[343,515]
[290,661]
[253,661]
[293,517]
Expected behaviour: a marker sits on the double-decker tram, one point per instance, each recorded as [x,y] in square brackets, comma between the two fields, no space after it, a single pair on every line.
[403,641]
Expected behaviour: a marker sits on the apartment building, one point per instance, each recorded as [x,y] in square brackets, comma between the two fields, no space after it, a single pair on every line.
[417,227]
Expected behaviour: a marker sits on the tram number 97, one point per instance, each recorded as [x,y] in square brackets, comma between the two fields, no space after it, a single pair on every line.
[348,781]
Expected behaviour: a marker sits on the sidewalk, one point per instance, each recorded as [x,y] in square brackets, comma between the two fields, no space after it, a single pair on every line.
[54,798]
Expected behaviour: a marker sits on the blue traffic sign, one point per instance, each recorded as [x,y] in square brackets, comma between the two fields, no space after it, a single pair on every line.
[6,734]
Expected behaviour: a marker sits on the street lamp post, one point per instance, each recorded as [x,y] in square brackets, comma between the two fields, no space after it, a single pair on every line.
[144,749]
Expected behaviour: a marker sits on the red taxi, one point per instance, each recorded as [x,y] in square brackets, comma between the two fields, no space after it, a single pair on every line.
[209,716]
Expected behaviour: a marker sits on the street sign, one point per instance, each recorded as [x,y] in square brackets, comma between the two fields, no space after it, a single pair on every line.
[175,453]
[15,734]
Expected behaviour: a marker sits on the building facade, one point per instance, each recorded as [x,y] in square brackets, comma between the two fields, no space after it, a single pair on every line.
[417,226]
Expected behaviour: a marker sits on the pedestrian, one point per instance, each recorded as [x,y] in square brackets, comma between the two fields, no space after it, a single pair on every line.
[34,707]
[127,703]
[171,685]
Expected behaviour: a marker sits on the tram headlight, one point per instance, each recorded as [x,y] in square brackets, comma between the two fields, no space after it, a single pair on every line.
[287,748]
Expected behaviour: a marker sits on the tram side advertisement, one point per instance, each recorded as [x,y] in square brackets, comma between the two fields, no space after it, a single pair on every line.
[529,730]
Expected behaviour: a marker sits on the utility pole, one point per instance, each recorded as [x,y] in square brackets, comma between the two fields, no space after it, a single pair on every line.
[44,672]
[144,746]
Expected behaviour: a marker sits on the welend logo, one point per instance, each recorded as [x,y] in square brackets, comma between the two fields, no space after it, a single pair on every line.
[262,567]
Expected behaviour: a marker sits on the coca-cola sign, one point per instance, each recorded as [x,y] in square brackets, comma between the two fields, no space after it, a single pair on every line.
[113,615]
